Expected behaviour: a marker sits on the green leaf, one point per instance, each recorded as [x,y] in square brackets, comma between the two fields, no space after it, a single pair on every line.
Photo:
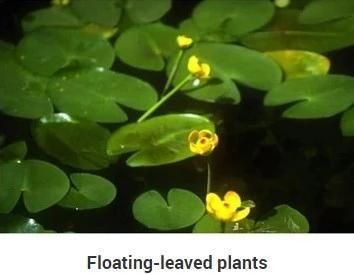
[146,47]
[243,226]
[159,140]
[42,184]
[347,123]
[88,192]
[102,12]
[93,94]
[10,223]
[326,10]
[314,97]
[246,66]
[50,17]
[235,17]
[147,10]
[283,219]
[45,51]
[207,224]
[22,93]
[297,63]
[75,143]
[182,209]
[286,33]
[12,152]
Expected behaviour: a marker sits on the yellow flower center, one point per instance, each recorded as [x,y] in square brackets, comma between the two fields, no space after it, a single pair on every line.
[202,142]
[227,210]
[199,70]
[184,41]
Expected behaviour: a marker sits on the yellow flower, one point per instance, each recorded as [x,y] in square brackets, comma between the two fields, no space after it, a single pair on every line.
[184,41]
[227,210]
[202,142]
[199,70]
[60,2]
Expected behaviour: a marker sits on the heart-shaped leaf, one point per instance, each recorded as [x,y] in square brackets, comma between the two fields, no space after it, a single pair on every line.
[326,10]
[283,219]
[10,223]
[41,183]
[182,209]
[88,192]
[207,224]
[76,143]
[106,13]
[233,62]
[50,17]
[315,96]
[22,93]
[146,46]
[159,140]
[47,50]
[93,94]
[146,11]
[235,17]
[297,63]
[13,152]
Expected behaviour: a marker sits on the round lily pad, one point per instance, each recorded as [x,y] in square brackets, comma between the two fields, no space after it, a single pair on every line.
[88,192]
[182,209]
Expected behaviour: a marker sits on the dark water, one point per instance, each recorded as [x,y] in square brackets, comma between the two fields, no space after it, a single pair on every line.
[306,164]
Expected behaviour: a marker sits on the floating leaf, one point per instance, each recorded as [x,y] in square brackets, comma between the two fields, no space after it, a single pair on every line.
[148,10]
[286,33]
[233,62]
[207,224]
[326,10]
[159,140]
[76,143]
[42,184]
[297,63]
[50,17]
[45,51]
[347,123]
[182,209]
[146,46]
[235,17]
[10,223]
[22,93]
[106,12]
[12,152]
[93,94]
[315,96]
[88,192]
[283,219]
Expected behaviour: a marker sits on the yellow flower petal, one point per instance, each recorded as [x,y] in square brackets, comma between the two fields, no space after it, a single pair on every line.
[184,41]
[232,199]
[193,136]
[193,65]
[240,214]
[213,202]
[205,69]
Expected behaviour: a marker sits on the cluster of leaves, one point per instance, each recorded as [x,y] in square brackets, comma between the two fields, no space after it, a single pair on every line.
[61,76]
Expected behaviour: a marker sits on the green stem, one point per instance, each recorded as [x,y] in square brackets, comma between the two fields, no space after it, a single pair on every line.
[173,72]
[209,177]
[165,98]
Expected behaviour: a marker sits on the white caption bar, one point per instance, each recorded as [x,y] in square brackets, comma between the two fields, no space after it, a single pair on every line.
[176,253]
